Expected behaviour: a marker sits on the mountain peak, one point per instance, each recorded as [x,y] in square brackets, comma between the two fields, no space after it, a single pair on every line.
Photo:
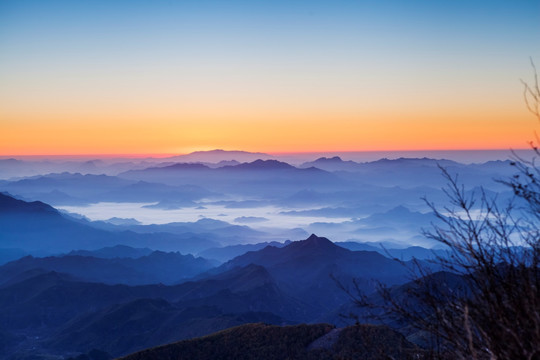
[318,240]
[315,244]
[335,163]
[217,155]
[335,159]
[315,238]
[264,164]
[10,204]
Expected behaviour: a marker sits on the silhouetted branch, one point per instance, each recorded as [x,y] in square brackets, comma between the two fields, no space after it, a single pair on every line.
[485,303]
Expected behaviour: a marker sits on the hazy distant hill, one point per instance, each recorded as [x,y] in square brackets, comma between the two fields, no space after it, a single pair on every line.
[413,172]
[260,177]
[76,189]
[142,191]
[215,156]
[398,216]
[38,227]
[260,165]
[67,188]
[229,252]
[398,225]
[261,341]
[407,253]
[358,201]
[14,168]
[204,230]
[332,164]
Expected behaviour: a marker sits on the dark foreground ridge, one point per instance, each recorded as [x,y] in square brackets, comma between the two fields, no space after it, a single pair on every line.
[268,342]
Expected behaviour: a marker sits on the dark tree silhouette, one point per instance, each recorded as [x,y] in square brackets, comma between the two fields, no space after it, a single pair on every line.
[485,304]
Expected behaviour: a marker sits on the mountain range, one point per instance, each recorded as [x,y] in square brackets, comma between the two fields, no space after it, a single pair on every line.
[69,308]
[210,241]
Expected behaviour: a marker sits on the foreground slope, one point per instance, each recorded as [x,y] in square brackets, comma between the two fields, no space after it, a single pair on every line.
[260,341]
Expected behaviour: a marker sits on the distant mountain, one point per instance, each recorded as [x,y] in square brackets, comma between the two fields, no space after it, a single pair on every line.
[414,172]
[77,189]
[357,201]
[14,168]
[229,252]
[73,184]
[256,165]
[118,251]
[260,177]
[210,228]
[414,161]
[156,267]
[358,246]
[399,215]
[332,164]
[143,191]
[398,225]
[62,189]
[225,163]
[195,236]
[122,221]
[200,226]
[265,342]
[216,156]
[181,166]
[337,164]
[259,164]
[407,253]
[250,219]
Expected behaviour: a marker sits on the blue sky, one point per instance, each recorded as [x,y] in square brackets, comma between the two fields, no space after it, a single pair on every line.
[359,58]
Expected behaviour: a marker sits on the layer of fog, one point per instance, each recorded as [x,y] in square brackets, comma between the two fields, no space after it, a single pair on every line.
[273,216]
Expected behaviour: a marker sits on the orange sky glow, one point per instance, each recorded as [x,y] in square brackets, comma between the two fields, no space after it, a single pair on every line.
[265,131]
[176,77]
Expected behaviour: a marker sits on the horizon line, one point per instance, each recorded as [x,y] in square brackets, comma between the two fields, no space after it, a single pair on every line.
[279,153]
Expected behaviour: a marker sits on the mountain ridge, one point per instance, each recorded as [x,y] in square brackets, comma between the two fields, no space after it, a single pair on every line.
[269,342]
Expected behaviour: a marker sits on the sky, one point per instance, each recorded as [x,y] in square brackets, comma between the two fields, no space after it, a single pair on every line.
[171,77]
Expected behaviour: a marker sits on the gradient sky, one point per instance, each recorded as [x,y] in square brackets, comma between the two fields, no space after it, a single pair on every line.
[147,77]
